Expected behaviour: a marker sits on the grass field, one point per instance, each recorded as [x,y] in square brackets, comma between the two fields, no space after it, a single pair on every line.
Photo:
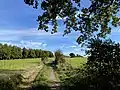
[20,64]
[10,68]
[77,61]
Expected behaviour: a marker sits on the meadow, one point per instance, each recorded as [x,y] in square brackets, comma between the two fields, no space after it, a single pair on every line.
[27,68]
[22,64]
[77,61]
[18,64]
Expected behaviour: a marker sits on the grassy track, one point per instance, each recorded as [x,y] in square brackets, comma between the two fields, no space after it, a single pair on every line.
[43,76]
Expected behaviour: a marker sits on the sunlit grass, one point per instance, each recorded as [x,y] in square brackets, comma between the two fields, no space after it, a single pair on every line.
[77,61]
[18,64]
[22,64]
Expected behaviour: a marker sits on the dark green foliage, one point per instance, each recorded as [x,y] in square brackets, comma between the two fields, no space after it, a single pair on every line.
[13,52]
[72,55]
[90,21]
[25,53]
[59,57]
[50,54]
[31,53]
[37,53]
[10,82]
[44,57]
[79,55]
[102,71]
[104,64]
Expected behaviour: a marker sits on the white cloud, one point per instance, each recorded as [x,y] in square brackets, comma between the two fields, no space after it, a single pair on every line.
[14,35]
[44,45]
[31,44]
[27,32]
[27,44]
[73,46]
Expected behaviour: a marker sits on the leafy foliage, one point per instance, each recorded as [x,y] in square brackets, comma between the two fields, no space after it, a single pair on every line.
[25,53]
[13,52]
[104,64]
[50,54]
[102,70]
[95,20]
[59,57]
[10,82]
[44,57]
[31,54]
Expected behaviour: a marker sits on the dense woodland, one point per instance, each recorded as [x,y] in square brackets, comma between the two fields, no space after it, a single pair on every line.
[14,52]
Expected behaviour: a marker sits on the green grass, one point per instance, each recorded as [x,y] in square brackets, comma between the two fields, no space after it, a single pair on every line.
[43,76]
[20,64]
[77,61]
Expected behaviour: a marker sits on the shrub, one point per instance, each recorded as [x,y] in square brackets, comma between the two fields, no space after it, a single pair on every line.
[104,64]
[102,71]
[59,57]
[9,82]
[44,59]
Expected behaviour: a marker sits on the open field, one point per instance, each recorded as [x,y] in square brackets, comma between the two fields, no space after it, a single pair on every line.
[20,64]
[29,68]
[77,61]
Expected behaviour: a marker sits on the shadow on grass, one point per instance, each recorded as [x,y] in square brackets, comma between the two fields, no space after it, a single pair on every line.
[48,64]
[40,87]
[45,87]
[6,71]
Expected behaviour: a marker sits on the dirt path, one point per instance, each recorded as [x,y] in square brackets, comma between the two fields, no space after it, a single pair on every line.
[52,75]
[54,79]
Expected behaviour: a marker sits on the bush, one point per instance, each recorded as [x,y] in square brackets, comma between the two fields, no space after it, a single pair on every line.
[59,57]
[44,59]
[9,82]
[102,71]
[104,64]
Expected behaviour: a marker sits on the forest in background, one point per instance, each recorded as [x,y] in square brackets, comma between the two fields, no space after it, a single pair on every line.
[14,52]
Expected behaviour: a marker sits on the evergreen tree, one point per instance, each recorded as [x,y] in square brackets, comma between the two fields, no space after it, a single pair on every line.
[13,52]
[25,53]
[37,53]
[31,53]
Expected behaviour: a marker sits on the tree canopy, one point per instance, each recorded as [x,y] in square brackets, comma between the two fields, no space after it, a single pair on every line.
[72,55]
[14,52]
[96,20]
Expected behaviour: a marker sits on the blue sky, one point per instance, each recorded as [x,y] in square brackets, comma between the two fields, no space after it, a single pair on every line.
[18,26]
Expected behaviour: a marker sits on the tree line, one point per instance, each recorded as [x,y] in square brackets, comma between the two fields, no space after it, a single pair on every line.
[14,52]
